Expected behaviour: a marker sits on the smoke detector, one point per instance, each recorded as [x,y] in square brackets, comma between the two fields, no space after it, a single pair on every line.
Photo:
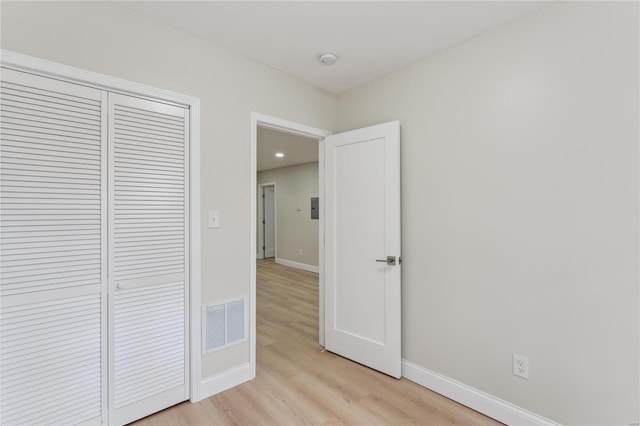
[328,58]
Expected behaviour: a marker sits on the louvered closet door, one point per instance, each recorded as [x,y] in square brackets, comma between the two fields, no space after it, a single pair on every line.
[52,252]
[148,256]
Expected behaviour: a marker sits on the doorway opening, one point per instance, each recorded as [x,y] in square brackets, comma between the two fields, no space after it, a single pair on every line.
[287,178]
[261,122]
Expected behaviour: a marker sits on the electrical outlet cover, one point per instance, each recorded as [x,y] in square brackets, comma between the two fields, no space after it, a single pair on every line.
[521,366]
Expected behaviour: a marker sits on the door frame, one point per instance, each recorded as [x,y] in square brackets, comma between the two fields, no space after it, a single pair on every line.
[75,75]
[286,126]
[261,187]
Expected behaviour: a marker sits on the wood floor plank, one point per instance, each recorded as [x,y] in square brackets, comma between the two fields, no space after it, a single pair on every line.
[299,383]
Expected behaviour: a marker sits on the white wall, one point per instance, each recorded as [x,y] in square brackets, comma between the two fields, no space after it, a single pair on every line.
[520,209]
[297,233]
[108,38]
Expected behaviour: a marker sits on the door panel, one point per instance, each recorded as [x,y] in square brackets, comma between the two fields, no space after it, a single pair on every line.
[148,257]
[269,222]
[52,256]
[358,196]
[362,191]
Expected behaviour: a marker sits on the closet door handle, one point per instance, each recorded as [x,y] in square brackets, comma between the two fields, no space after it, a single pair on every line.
[130,285]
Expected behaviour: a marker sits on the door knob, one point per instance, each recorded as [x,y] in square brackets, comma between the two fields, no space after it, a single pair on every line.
[390,260]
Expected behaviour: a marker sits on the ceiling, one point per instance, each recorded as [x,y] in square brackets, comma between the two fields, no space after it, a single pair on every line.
[371,38]
[296,149]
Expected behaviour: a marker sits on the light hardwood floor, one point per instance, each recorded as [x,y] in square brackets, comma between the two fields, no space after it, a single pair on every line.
[299,383]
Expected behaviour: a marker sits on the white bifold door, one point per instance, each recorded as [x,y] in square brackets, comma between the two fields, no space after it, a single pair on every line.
[53,251]
[93,260]
[148,232]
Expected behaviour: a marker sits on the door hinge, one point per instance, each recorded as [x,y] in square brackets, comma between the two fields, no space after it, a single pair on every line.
[263,247]
[263,222]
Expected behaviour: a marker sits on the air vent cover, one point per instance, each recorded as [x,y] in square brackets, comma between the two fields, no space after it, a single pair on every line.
[223,325]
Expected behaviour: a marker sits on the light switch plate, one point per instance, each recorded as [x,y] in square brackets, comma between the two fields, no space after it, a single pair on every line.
[214,219]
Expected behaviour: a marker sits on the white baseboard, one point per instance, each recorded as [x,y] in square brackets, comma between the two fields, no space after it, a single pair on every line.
[297,265]
[260,255]
[225,380]
[475,399]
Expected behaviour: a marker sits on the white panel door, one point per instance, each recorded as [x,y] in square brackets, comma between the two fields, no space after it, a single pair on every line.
[53,252]
[148,257]
[269,222]
[362,231]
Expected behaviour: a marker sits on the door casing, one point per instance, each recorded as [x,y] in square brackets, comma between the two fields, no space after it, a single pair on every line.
[286,126]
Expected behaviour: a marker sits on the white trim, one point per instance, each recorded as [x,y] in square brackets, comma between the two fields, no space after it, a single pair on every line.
[253,179]
[196,359]
[297,265]
[79,76]
[76,75]
[321,242]
[187,256]
[104,230]
[262,120]
[225,380]
[286,126]
[475,399]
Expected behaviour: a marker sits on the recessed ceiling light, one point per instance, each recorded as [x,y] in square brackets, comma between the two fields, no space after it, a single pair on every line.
[279,154]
